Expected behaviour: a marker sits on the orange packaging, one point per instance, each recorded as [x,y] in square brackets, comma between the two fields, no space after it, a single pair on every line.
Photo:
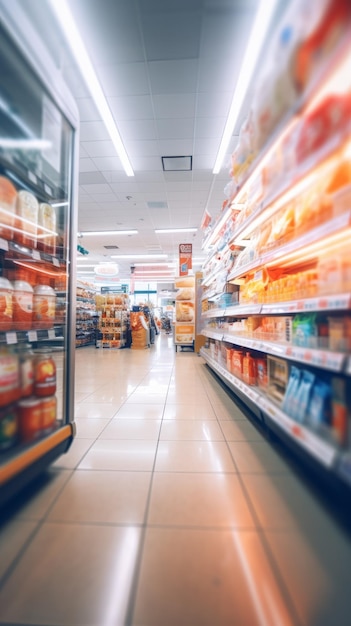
[44,375]
[27,207]
[47,228]
[249,369]
[44,306]
[22,305]
[6,305]
[29,414]
[9,377]
[8,195]
[237,363]
[48,413]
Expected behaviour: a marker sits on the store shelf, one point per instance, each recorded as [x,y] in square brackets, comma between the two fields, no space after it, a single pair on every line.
[30,253]
[31,336]
[319,235]
[330,303]
[321,450]
[326,359]
[212,334]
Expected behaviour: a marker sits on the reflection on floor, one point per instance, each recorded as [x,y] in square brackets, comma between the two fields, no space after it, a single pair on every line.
[170,509]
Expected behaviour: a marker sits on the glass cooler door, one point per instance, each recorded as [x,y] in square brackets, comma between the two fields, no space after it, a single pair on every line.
[37,244]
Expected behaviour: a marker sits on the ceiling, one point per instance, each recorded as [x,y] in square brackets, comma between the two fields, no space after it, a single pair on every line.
[168,69]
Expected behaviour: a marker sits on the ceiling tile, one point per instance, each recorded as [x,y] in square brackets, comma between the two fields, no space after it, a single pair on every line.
[176,147]
[97,188]
[132,107]
[93,131]
[137,130]
[127,79]
[179,128]
[170,36]
[86,165]
[108,163]
[168,77]
[90,177]
[99,148]
[87,110]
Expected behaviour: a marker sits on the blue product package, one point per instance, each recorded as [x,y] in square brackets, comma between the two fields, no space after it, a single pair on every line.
[293,383]
[319,410]
[303,395]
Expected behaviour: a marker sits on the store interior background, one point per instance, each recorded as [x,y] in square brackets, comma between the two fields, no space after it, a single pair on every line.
[168,71]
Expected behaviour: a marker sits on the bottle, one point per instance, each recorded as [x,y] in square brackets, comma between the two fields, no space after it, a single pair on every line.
[44,374]
[27,208]
[29,416]
[22,305]
[26,366]
[9,376]
[44,306]
[6,305]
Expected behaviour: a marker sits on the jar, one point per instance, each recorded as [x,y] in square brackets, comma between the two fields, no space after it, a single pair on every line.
[6,305]
[44,306]
[27,208]
[9,377]
[29,418]
[47,222]
[26,365]
[22,305]
[8,427]
[44,374]
[8,195]
[48,413]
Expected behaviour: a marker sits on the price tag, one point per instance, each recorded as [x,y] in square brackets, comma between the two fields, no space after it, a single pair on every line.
[36,255]
[11,338]
[56,262]
[48,189]
[51,334]
[32,335]
[32,177]
[4,245]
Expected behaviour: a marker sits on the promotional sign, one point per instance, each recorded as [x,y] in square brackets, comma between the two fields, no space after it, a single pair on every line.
[184,331]
[185,258]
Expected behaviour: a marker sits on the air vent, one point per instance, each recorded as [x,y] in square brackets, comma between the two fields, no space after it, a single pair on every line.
[157,205]
[111,247]
[177,163]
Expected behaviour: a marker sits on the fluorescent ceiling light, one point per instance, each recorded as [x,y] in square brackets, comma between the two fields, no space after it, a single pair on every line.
[102,233]
[25,144]
[175,230]
[75,42]
[139,256]
[253,50]
[140,272]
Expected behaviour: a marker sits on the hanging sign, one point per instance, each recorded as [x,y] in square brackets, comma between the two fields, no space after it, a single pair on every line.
[185,258]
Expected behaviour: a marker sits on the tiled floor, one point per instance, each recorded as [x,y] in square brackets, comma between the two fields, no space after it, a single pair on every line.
[170,509]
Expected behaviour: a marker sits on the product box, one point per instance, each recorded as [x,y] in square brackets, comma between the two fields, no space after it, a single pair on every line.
[278,373]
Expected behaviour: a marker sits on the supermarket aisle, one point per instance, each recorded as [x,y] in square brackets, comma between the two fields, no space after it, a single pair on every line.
[170,509]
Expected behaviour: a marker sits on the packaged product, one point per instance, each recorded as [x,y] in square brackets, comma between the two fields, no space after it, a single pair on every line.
[249,369]
[22,305]
[277,378]
[302,396]
[261,373]
[44,374]
[319,410]
[339,333]
[29,416]
[8,427]
[6,305]
[305,330]
[26,365]
[184,311]
[340,421]
[327,23]
[237,363]
[47,228]
[291,390]
[8,195]
[44,306]
[27,208]
[9,377]
[334,271]
[185,294]
[48,408]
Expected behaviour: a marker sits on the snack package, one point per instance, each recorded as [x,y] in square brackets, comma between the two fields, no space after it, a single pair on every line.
[290,394]
[319,410]
[305,331]
[302,397]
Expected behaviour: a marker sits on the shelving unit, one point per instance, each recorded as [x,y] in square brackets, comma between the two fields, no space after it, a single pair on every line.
[86,315]
[291,306]
[113,320]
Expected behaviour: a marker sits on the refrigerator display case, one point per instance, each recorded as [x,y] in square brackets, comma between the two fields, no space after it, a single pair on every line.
[38,149]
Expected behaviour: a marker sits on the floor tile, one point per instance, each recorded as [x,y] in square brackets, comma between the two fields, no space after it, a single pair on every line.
[132,429]
[140,411]
[207,578]
[201,430]
[103,497]
[315,568]
[240,430]
[281,501]
[13,537]
[257,457]
[35,500]
[90,427]
[202,500]
[96,410]
[114,454]
[193,456]
[184,411]
[76,452]
[78,570]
